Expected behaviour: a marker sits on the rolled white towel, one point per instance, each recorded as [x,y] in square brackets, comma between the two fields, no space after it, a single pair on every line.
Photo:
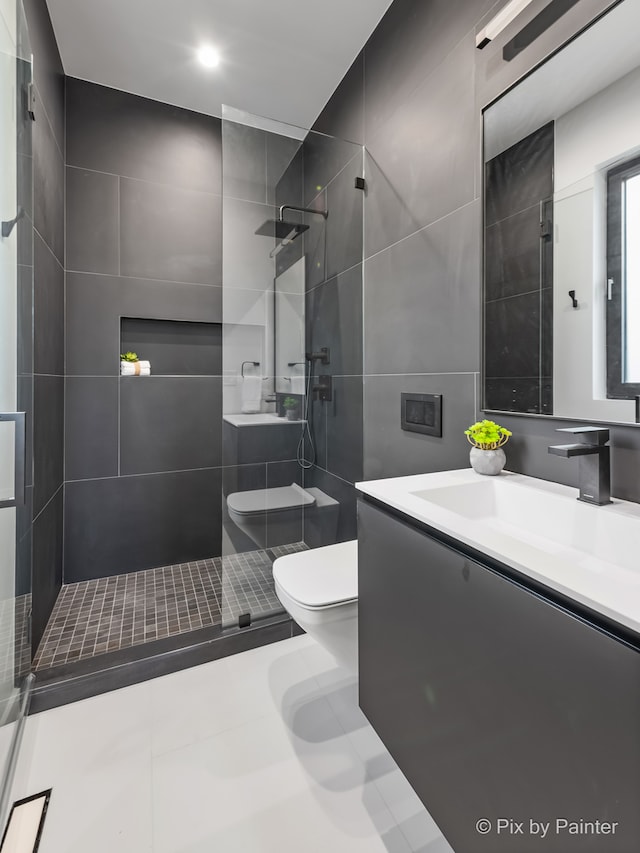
[134,369]
[141,363]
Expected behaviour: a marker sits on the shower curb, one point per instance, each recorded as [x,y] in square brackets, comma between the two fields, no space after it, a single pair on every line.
[74,682]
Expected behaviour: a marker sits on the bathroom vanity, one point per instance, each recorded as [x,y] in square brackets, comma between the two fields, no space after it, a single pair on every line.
[499,638]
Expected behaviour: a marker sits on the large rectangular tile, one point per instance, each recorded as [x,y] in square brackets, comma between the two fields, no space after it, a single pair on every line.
[48,311]
[246,261]
[411,40]
[344,428]
[25,404]
[244,162]
[170,423]
[174,347]
[509,394]
[343,114]
[25,320]
[324,158]
[249,445]
[92,211]
[113,131]
[421,162]
[48,72]
[47,565]
[48,438]
[345,205]
[334,320]
[169,300]
[91,427]
[512,336]
[513,250]
[169,233]
[315,243]
[389,451]
[48,188]
[288,772]
[284,169]
[88,771]
[315,438]
[317,534]
[92,324]
[422,300]
[521,176]
[124,524]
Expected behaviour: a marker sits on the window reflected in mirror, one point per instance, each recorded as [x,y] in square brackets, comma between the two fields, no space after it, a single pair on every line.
[623,280]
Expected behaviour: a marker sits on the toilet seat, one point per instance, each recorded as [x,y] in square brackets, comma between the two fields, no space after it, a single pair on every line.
[260,501]
[320,578]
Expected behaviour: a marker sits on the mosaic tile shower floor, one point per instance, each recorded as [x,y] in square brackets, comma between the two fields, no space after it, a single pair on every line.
[108,614]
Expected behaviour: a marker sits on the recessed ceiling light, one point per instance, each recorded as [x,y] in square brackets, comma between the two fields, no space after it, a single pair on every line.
[208,56]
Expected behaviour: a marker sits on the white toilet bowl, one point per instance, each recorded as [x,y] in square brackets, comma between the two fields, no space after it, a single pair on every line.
[319,589]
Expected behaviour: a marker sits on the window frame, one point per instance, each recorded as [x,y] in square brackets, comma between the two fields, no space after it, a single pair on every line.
[617,389]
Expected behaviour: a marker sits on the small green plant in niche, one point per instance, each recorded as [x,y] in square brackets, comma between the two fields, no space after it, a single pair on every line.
[487,435]
[290,403]
[129,356]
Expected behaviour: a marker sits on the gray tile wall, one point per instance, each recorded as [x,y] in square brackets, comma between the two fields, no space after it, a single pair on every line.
[41,247]
[143,222]
[414,98]
[334,307]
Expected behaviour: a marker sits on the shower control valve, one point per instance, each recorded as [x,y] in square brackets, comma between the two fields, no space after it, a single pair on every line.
[323,356]
[324,389]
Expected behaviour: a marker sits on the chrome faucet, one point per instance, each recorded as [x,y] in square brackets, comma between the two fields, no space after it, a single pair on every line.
[594,471]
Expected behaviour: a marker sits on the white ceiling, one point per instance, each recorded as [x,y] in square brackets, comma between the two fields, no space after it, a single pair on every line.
[280,58]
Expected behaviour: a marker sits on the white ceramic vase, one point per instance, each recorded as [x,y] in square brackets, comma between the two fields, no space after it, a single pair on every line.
[489,462]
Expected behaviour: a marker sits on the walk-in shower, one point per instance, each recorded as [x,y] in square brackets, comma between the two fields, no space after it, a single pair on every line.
[200,479]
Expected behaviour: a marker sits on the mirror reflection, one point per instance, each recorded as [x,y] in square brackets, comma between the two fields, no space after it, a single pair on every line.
[562,219]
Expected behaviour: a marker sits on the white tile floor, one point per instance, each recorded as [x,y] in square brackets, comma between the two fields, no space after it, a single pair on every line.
[261,752]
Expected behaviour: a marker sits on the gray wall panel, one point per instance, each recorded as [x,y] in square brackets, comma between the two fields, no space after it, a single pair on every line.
[144,207]
[125,524]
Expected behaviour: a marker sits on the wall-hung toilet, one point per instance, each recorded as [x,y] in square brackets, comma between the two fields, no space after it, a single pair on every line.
[271,517]
[319,589]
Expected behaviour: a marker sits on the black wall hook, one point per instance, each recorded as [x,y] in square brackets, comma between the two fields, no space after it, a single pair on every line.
[7,227]
[572,296]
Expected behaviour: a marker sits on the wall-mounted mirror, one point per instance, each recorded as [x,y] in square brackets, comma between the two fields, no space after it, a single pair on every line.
[289,330]
[562,231]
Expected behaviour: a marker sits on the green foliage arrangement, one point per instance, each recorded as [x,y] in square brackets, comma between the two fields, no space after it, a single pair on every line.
[487,435]
[129,356]
[290,403]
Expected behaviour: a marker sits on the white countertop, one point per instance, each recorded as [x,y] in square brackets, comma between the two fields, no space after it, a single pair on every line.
[588,553]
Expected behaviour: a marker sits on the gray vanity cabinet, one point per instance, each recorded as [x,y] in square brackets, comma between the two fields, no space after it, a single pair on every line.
[496,703]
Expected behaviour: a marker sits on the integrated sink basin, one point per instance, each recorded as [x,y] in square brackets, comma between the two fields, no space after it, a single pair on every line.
[588,553]
[529,509]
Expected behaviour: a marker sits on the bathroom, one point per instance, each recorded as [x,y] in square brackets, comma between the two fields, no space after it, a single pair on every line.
[154,507]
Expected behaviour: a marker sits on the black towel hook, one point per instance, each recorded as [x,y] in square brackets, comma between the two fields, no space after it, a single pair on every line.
[572,296]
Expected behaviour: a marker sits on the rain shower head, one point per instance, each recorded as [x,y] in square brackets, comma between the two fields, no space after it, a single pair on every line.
[280,230]
[287,231]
